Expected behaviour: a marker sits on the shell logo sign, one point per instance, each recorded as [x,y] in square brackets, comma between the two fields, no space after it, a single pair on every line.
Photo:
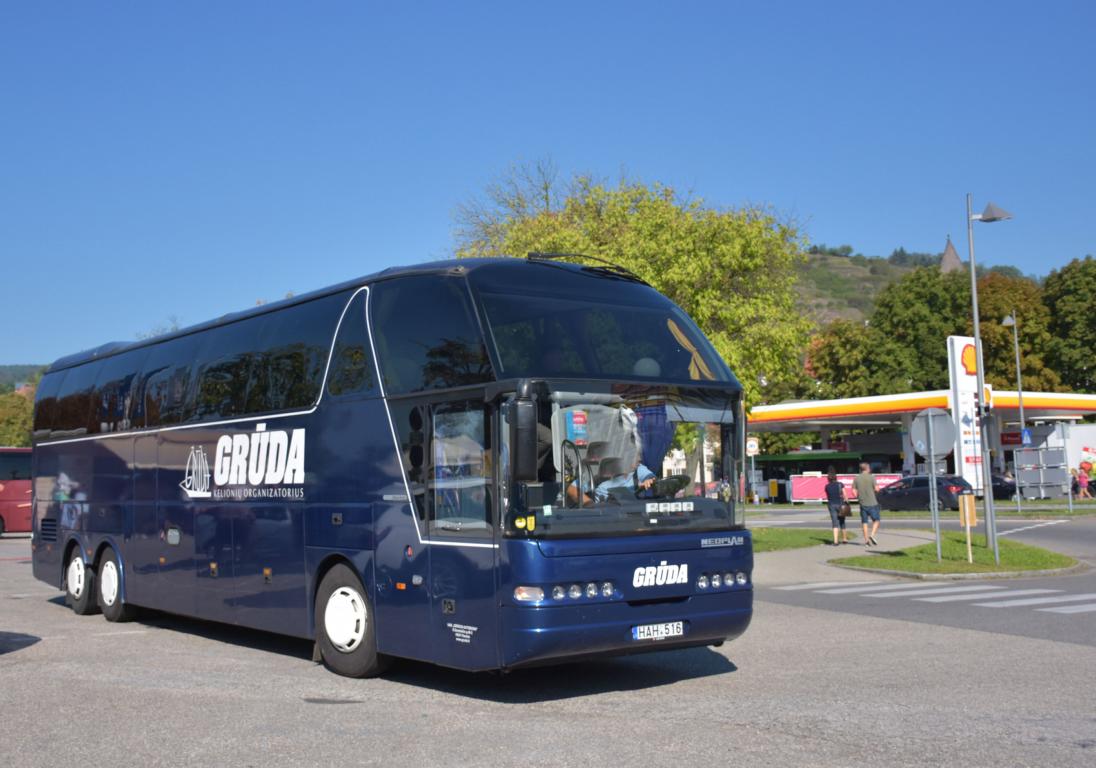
[969,359]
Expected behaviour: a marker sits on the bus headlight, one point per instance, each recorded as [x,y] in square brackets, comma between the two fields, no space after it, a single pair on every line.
[716,580]
[702,581]
[558,592]
[741,578]
[728,578]
[528,594]
[591,590]
[575,592]
[607,589]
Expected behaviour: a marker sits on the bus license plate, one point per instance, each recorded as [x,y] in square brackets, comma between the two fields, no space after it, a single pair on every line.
[658,631]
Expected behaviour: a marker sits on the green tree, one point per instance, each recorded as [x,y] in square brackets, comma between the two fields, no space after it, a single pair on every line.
[903,258]
[856,359]
[1070,295]
[16,415]
[170,326]
[912,320]
[903,346]
[998,295]
[732,270]
[1004,269]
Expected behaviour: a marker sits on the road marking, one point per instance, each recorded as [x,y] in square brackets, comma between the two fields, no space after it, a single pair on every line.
[893,586]
[1008,593]
[937,591]
[1029,527]
[820,584]
[1091,607]
[126,632]
[1039,601]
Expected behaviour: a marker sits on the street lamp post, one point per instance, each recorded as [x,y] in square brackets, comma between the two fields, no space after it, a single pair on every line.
[990,214]
[1010,321]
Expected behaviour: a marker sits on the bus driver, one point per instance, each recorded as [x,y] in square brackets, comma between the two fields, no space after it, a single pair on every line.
[639,478]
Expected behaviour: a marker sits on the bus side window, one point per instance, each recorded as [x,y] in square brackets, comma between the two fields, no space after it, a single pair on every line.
[114,390]
[223,369]
[165,381]
[427,335]
[292,355]
[351,367]
[45,410]
[461,479]
[74,407]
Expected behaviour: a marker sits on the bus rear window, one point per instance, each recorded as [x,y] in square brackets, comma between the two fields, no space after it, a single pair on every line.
[14,465]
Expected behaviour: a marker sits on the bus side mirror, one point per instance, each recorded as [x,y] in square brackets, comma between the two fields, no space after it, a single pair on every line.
[523,439]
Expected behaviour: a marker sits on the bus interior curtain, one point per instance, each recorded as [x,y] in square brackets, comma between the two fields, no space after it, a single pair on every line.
[698,369]
[656,433]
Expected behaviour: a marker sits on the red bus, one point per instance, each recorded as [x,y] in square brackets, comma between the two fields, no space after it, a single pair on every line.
[15,506]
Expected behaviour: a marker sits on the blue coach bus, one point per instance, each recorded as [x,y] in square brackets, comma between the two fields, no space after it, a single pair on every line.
[464,463]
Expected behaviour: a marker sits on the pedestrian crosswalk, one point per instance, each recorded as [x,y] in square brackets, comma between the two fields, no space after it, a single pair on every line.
[977,595]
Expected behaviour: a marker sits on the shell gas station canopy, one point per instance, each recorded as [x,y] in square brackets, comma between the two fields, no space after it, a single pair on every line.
[894,414]
[893,411]
[880,427]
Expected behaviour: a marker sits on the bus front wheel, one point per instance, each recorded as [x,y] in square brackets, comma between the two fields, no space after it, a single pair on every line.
[80,585]
[346,631]
[110,589]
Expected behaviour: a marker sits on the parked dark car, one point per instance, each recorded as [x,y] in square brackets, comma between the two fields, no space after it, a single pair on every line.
[1003,487]
[913,492]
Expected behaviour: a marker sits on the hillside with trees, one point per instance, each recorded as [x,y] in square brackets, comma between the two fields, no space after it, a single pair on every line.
[11,375]
[843,286]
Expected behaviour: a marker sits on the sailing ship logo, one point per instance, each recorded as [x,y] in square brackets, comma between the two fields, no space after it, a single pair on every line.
[196,480]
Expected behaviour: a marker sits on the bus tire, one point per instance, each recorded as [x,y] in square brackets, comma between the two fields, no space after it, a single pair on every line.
[109,577]
[346,632]
[80,593]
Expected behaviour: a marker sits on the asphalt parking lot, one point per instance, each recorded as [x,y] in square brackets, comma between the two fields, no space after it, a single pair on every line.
[806,685]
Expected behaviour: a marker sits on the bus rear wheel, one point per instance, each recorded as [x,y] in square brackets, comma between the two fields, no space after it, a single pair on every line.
[110,589]
[80,585]
[346,632]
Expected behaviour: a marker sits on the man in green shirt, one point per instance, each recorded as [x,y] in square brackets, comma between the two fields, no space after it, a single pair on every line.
[869,505]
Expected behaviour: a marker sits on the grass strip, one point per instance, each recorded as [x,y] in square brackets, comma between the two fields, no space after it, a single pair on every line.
[773,539]
[922,559]
[1032,509]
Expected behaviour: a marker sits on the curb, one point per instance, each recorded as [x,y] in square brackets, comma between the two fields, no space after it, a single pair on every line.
[1078,568]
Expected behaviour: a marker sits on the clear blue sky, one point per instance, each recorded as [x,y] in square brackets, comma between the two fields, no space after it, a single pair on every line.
[186,159]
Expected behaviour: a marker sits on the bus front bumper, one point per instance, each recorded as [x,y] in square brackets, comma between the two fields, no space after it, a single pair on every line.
[557,633]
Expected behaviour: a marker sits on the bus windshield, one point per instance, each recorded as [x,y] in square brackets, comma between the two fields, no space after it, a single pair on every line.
[560,336]
[646,460]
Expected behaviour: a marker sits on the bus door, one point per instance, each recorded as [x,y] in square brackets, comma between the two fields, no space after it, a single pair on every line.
[401,565]
[462,523]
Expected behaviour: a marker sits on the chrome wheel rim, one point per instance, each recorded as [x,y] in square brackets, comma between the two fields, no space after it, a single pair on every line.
[75,577]
[108,583]
[345,619]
